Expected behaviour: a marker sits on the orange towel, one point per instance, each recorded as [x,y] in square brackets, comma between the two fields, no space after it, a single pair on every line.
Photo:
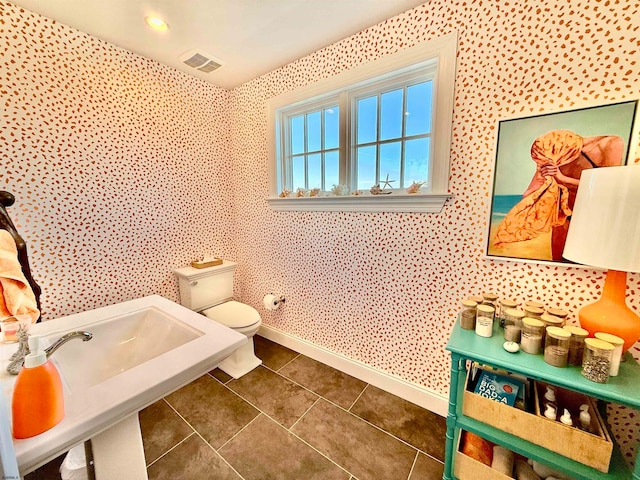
[548,205]
[16,296]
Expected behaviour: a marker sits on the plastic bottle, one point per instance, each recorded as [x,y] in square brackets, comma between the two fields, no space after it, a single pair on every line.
[550,394]
[585,418]
[566,418]
[550,411]
[550,407]
[38,402]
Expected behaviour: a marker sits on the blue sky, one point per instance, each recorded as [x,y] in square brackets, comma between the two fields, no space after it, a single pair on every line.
[417,121]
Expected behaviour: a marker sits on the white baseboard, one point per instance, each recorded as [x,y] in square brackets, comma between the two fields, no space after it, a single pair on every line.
[411,392]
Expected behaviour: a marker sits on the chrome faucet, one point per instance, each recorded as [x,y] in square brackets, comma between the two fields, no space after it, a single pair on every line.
[85,336]
[17,359]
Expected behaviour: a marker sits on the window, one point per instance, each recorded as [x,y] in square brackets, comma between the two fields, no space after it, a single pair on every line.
[386,125]
[392,135]
[311,152]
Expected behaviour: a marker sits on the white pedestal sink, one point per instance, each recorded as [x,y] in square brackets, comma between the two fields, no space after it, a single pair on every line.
[141,351]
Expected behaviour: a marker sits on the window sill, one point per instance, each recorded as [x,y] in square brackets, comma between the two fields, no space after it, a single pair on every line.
[419,203]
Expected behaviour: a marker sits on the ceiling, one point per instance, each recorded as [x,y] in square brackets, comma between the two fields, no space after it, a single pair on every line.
[248,37]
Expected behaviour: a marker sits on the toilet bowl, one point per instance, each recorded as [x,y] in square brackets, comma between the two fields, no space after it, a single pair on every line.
[210,292]
[243,319]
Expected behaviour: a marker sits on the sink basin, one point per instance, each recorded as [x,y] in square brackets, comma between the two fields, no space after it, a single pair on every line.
[141,351]
[119,344]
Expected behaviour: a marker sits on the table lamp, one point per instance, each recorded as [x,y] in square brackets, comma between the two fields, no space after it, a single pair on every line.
[605,232]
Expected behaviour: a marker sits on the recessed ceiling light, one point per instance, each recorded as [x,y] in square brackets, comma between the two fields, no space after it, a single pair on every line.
[156,23]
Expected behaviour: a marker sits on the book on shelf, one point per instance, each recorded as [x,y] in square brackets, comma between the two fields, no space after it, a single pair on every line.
[501,388]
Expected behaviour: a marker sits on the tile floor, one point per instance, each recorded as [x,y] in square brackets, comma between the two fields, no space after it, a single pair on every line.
[290,419]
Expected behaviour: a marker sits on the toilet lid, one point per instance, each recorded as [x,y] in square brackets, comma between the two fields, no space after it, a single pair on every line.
[233,314]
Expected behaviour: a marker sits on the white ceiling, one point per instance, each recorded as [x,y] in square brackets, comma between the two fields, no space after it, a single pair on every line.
[250,37]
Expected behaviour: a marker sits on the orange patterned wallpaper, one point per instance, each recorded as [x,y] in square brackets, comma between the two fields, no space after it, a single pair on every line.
[125,169]
[120,166]
[384,288]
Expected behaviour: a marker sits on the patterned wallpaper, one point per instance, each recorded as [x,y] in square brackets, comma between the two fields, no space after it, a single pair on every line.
[124,169]
[121,167]
[384,288]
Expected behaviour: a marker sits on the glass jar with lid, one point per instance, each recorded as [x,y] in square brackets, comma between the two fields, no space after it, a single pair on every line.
[468,314]
[513,325]
[576,344]
[533,311]
[484,320]
[556,346]
[551,321]
[618,344]
[490,299]
[505,304]
[532,335]
[477,298]
[597,360]
[556,312]
[534,303]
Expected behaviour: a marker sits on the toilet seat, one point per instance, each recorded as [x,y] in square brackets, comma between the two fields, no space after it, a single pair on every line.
[233,314]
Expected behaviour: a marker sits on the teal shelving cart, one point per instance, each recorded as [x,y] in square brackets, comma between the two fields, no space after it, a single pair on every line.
[466,346]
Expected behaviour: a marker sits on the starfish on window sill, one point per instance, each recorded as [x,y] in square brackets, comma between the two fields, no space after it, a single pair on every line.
[387,183]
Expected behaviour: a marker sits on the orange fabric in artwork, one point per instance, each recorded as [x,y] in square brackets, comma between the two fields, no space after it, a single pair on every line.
[547,206]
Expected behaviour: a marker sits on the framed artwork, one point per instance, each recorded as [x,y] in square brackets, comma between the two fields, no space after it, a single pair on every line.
[539,160]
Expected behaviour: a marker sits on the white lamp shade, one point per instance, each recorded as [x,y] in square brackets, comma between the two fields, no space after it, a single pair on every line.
[605,225]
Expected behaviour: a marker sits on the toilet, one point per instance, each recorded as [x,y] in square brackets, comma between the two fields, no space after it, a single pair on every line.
[210,292]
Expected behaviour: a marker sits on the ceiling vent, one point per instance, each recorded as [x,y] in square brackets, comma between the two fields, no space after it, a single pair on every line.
[200,61]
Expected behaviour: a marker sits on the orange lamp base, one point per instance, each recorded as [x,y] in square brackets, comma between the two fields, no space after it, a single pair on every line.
[610,313]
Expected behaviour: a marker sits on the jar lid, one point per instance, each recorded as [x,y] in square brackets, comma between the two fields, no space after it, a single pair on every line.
[607,337]
[550,320]
[476,299]
[556,312]
[534,303]
[508,303]
[577,331]
[486,309]
[532,322]
[558,332]
[469,303]
[514,312]
[533,309]
[490,296]
[599,344]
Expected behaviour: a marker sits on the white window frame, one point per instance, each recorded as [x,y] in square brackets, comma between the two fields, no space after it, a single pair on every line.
[295,111]
[426,71]
[440,52]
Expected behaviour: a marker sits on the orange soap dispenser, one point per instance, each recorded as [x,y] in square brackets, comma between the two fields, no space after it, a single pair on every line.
[38,402]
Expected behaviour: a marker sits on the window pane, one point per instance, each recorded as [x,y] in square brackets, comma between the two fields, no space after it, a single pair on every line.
[331,170]
[366,167]
[331,135]
[315,170]
[298,172]
[416,160]
[296,126]
[390,163]
[391,115]
[313,132]
[418,114]
[367,120]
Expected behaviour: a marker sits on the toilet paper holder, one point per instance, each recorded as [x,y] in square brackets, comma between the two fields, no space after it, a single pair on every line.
[278,300]
[272,302]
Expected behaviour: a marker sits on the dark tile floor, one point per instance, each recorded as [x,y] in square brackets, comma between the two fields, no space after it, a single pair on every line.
[290,419]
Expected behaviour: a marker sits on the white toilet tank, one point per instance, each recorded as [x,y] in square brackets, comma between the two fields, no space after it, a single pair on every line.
[202,288]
